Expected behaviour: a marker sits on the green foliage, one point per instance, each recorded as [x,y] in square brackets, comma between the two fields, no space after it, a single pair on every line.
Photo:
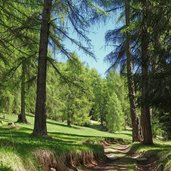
[117,102]
[7,100]
[54,103]
[73,90]
[4,168]
[77,92]
[115,115]
[109,92]
[158,128]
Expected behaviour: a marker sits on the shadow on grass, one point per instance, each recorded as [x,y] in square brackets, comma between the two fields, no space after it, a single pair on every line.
[123,133]
[98,127]
[61,124]
[156,147]
[77,137]
[71,134]
[24,143]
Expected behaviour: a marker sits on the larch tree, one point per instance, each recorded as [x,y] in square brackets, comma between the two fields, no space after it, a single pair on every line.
[18,24]
[22,115]
[40,128]
[122,56]
[145,108]
[131,88]
[77,14]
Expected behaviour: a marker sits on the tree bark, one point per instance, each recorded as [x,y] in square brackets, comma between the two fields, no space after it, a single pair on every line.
[145,108]
[131,88]
[22,115]
[40,128]
[69,119]
[101,120]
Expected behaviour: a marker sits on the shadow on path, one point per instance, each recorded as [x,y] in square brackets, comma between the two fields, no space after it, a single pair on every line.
[121,158]
[117,159]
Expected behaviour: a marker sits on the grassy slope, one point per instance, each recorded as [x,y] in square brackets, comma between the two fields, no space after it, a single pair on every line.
[17,144]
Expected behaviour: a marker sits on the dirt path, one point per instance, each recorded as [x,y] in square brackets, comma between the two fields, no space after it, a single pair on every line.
[118,159]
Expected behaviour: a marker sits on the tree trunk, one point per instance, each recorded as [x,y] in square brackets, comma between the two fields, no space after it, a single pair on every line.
[22,115]
[102,120]
[69,119]
[40,128]
[145,108]
[131,89]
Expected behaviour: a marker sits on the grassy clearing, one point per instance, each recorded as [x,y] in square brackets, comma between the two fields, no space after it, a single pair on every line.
[17,146]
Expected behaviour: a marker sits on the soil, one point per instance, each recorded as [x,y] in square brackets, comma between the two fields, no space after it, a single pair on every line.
[116,159]
[119,158]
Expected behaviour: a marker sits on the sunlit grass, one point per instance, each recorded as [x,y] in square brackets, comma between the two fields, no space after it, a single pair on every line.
[58,128]
[17,145]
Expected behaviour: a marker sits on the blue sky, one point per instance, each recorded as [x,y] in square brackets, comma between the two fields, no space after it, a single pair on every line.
[97,36]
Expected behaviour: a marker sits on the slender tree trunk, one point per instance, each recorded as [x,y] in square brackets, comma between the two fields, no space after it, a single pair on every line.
[131,89]
[101,115]
[145,108]
[69,119]
[40,128]
[101,120]
[22,115]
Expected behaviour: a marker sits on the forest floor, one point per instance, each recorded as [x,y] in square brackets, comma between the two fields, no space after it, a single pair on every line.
[18,148]
[134,157]
[117,159]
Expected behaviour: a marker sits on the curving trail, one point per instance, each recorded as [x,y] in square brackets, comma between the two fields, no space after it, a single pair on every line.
[118,159]
[121,158]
